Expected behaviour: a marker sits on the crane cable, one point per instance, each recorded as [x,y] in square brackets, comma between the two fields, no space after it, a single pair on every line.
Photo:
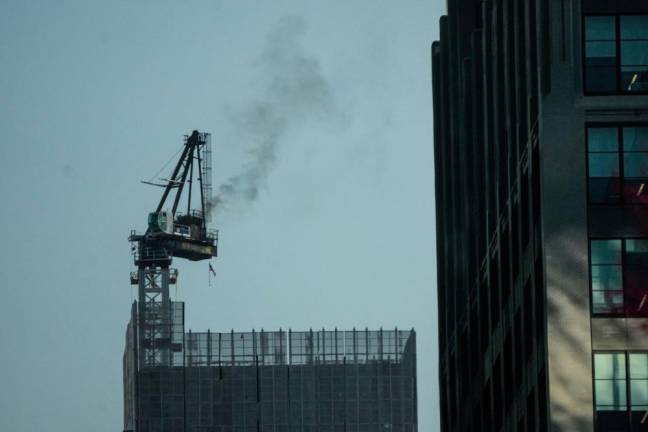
[166,164]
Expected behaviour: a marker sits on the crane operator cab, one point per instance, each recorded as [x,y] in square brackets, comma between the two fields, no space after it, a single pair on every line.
[160,222]
[190,226]
[184,236]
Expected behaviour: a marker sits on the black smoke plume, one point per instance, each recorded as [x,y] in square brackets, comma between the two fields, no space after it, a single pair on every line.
[295,92]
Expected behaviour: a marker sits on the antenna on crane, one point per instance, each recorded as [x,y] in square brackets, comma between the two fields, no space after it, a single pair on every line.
[206,177]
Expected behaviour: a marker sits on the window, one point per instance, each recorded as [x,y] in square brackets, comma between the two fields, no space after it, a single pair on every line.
[610,393]
[635,163]
[605,270]
[616,54]
[639,390]
[621,391]
[619,277]
[600,54]
[617,164]
[634,53]
[635,277]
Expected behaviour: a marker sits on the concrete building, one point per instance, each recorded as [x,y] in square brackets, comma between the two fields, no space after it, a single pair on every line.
[358,380]
[541,148]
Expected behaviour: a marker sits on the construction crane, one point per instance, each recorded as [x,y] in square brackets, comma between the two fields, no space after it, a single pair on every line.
[183,235]
[169,234]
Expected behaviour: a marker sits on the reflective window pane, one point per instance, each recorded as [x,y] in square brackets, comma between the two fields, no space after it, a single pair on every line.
[600,28]
[604,165]
[611,394]
[610,62]
[634,78]
[636,290]
[604,190]
[606,251]
[609,366]
[614,411]
[602,54]
[635,138]
[636,304]
[639,392]
[606,278]
[638,366]
[637,246]
[633,26]
[600,79]
[633,53]
[635,159]
[607,302]
[607,139]
[635,191]
[635,276]
[635,165]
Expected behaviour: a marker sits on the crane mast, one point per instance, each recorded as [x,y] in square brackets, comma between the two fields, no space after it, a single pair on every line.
[169,234]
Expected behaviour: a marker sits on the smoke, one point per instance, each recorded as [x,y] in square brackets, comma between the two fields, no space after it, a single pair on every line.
[294,92]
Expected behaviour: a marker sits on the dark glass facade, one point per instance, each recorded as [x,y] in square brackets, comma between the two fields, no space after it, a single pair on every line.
[488,78]
[357,380]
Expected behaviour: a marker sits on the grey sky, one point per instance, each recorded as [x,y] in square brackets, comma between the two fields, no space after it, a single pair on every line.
[95,96]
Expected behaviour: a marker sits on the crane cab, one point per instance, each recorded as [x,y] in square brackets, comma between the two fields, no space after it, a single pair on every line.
[183,236]
[161,221]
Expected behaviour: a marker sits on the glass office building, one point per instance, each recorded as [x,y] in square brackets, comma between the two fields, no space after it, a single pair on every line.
[541,158]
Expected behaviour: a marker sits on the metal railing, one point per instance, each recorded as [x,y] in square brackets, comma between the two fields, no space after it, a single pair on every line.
[150,254]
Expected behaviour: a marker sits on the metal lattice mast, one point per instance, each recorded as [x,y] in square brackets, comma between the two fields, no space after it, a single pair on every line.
[155,319]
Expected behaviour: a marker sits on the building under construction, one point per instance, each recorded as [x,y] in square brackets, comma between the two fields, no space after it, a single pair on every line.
[180,381]
[276,381]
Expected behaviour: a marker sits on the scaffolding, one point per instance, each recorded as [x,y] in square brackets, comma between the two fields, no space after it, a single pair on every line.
[358,346]
[295,347]
[235,349]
